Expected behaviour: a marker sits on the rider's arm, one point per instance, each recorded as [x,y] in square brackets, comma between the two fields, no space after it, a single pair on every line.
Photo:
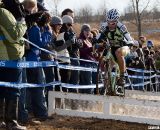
[123,29]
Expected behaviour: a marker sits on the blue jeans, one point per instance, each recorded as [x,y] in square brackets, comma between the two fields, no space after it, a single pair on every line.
[10,75]
[86,78]
[22,111]
[49,77]
[10,94]
[138,81]
[36,95]
[74,79]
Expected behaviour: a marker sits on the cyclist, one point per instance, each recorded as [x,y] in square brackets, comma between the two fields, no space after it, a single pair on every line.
[118,37]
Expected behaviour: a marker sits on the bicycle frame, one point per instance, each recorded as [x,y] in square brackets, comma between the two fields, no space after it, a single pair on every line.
[110,78]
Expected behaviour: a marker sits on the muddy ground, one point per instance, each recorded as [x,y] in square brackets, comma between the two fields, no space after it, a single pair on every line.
[77,123]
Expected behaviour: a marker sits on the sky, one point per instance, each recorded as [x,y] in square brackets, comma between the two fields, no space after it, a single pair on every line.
[95,4]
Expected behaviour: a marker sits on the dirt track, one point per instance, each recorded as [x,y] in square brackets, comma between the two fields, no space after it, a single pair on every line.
[76,123]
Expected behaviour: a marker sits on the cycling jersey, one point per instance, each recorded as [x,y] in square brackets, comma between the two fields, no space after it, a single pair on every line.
[117,37]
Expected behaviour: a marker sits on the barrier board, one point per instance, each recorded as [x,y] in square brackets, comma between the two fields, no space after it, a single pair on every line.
[136,106]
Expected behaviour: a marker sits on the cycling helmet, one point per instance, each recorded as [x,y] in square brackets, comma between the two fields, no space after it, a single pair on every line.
[149,43]
[113,15]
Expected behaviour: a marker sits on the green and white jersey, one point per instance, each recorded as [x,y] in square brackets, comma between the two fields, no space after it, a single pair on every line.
[117,36]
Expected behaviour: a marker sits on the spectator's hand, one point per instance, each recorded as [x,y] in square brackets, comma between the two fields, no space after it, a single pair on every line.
[79,43]
[59,43]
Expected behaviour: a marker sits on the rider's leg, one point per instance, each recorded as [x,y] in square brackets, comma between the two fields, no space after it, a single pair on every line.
[120,54]
[120,61]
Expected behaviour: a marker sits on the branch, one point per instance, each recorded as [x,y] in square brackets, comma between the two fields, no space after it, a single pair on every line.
[133,23]
[134,9]
[145,7]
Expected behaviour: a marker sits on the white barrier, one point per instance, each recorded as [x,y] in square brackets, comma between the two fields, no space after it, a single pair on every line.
[132,108]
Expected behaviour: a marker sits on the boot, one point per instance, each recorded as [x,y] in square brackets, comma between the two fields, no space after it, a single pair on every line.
[11,106]
[120,85]
[2,123]
[15,126]
[121,81]
[1,109]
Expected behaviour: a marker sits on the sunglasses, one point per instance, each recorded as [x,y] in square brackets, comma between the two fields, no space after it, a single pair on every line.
[59,24]
[53,25]
[112,23]
[69,24]
[135,46]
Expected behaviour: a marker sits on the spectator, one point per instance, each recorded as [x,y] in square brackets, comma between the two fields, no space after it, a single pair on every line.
[86,53]
[68,36]
[35,75]
[142,41]
[135,62]
[68,12]
[46,34]
[73,52]
[133,55]
[150,46]
[150,65]
[157,59]
[33,10]
[41,5]
[56,24]
[12,48]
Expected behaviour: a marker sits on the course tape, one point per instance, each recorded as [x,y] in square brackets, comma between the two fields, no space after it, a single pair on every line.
[54,53]
[26,85]
[140,70]
[35,64]
[30,85]
[137,76]
[81,86]
[138,84]
[27,64]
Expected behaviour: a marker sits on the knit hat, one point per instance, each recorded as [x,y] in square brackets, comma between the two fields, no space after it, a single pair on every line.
[34,1]
[85,27]
[56,20]
[67,19]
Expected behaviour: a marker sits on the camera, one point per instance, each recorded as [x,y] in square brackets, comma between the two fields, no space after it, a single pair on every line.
[15,7]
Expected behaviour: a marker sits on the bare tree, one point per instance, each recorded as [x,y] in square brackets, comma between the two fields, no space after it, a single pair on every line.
[85,14]
[100,15]
[138,12]
[56,2]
